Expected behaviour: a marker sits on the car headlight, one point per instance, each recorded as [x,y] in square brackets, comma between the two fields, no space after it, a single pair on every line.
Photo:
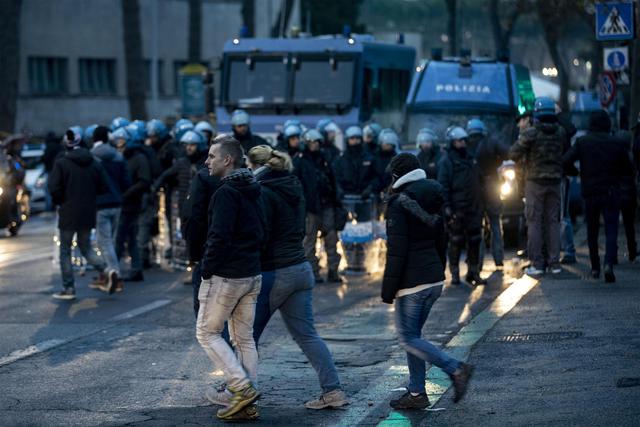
[506,189]
[1,191]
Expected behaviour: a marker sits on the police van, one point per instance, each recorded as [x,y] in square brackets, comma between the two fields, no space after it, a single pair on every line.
[348,78]
[451,91]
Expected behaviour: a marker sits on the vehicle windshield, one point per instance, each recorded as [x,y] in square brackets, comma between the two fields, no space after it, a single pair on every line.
[257,81]
[323,81]
[499,126]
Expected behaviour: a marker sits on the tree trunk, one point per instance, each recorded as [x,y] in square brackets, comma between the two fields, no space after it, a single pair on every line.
[249,16]
[496,26]
[552,21]
[195,31]
[133,58]
[9,72]
[452,26]
[275,30]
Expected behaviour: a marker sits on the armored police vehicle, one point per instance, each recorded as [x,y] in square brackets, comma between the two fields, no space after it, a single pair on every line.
[350,79]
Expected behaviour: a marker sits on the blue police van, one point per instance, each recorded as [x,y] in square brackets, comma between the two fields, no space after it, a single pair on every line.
[350,79]
[451,91]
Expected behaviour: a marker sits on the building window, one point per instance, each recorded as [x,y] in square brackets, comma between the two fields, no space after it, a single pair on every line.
[147,70]
[177,65]
[47,76]
[97,76]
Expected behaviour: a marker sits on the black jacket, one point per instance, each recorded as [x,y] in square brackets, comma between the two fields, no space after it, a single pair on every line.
[236,228]
[330,152]
[140,174]
[429,161]
[317,179]
[383,178]
[415,238]
[249,140]
[284,213]
[74,183]
[461,181]
[604,161]
[195,219]
[490,153]
[118,175]
[182,171]
[355,172]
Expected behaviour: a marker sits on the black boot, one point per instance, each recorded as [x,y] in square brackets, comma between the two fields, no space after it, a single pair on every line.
[609,277]
[334,277]
[474,279]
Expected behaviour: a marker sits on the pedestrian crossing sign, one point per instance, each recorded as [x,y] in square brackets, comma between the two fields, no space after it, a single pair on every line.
[614,21]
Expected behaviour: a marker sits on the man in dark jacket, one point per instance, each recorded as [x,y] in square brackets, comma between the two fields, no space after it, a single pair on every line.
[75,182]
[604,161]
[321,201]
[461,181]
[53,148]
[429,152]
[140,174]
[231,276]
[541,147]
[203,186]
[414,275]
[109,204]
[489,154]
[240,125]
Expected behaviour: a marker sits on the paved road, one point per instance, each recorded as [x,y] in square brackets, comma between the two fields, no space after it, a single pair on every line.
[132,358]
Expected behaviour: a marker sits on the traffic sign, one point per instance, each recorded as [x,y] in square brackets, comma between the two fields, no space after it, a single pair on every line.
[606,88]
[614,21]
[616,58]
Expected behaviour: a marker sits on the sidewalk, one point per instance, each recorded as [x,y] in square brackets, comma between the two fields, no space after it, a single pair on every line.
[567,354]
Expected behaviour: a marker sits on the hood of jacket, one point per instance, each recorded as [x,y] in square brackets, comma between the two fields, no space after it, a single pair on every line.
[242,180]
[548,128]
[80,156]
[284,184]
[106,152]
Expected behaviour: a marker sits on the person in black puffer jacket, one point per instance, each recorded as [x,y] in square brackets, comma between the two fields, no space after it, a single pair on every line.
[75,182]
[460,177]
[605,161]
[287,276]
[414,275]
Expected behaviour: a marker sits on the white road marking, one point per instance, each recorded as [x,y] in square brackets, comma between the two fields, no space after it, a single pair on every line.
[56,342]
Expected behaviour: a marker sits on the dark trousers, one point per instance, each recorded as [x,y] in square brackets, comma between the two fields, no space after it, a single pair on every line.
[607,206]
[465,231]
[628,208]
[128,235]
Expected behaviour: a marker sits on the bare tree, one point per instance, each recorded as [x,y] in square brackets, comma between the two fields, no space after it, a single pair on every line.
[195,31]
[133,59]
[287,6]
[9,72]
[503,26]
[249,16]
[452,25]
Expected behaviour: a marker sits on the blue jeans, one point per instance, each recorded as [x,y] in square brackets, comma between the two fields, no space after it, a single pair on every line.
[566,227]
[411,314]
[83,240]
[128,234]
[106,227]
[290,290]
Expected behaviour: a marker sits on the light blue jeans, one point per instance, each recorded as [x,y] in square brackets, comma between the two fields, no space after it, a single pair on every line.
[106,228]
[83,239]
[411,314]
[290,290]
[233,301]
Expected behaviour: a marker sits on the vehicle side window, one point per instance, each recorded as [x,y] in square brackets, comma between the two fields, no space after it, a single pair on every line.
[393,86]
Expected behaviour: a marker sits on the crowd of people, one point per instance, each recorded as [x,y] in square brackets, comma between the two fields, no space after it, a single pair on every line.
[252,212]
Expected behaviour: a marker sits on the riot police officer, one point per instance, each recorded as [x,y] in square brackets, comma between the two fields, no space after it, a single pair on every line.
[370,134]
[291,142]
[459,175]
[489,154]
[241,127]
[329,130]
[429,152]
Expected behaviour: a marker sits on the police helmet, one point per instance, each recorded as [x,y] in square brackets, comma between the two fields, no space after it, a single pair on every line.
[373,130]
[312,135]
[118,123]
[88,133]
[204,126]
[157,128]
[192,137]
[476,127]
[180,129]
[456,132]
[240,118]
[389,136]
[120,133]
[353,132]
[292,130]
[544,106]
[425,135]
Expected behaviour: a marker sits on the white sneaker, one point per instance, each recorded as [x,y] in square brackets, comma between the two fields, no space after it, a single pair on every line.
[555,270]
[532,271]
[219,396]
